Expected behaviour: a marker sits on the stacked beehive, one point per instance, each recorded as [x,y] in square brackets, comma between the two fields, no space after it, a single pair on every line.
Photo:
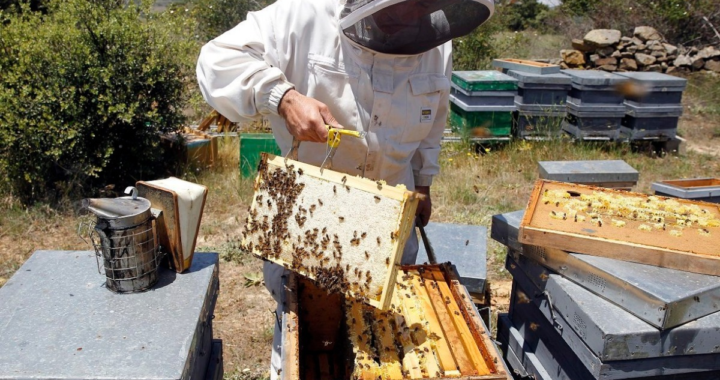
[653,107]
[540,104]
[482,103]
[578,316]
[699,189]
[594,105]
[431,331]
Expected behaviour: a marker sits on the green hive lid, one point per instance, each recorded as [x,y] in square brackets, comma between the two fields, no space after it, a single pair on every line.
[486,80]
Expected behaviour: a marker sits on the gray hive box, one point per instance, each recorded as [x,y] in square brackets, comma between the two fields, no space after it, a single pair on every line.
[548,89]
[594,87]
[699,189]
[593,121]
[609,331]
[484,98]
[651,122]
[660,88]
[662,297]
[60,322]
[448,241]
[602,173]
[564,353]
[524,363]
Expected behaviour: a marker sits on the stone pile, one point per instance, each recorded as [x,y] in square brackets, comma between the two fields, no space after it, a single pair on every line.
[646,50]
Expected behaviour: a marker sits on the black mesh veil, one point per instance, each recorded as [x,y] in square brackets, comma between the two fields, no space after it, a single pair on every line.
[414,26]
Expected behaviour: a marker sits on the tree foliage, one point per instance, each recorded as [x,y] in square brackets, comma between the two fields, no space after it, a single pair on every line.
[214,17]
[525,14]
[86,91]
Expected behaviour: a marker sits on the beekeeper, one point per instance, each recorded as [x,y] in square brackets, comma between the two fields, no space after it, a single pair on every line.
[379,66]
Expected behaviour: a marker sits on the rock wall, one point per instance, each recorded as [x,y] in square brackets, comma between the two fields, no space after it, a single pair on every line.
[646,50]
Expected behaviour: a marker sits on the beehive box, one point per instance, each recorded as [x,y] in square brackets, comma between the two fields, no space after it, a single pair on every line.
[432,331]
[665,232]
[346,233]
[699,189]
[484,80]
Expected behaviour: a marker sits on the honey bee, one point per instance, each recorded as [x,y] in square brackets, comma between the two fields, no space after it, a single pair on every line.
[378,240]
[300,171]
[344,179]
[334,189]
[320,201]
[367,255]
[387,261]
[341,218]
[377,198]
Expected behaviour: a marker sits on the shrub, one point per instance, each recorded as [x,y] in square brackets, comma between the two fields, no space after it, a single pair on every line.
[214,17]
[477,50]
[85,93]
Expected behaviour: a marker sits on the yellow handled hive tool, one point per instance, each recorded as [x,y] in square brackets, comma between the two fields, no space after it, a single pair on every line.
[333,141]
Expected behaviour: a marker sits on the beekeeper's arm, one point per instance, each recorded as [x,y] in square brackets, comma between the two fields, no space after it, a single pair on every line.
[240,75]
[425,162]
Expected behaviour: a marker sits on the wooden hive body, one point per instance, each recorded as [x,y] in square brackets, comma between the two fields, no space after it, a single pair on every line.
[346,233]
[431,332]
[666,232]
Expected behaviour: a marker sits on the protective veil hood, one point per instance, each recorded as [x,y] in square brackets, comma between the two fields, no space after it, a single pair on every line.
[409,27]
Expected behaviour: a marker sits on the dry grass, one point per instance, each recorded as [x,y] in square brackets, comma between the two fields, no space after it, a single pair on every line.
[469,190]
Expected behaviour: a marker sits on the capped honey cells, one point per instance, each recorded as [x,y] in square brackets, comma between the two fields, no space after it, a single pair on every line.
[655,214]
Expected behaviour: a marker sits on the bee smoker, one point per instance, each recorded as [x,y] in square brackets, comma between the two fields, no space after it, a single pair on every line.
[124,236]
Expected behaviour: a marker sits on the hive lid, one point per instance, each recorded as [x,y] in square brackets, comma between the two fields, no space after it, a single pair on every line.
[554,79]
[588,171]
[56,311]
[593,77]
[657,82]
[486,80]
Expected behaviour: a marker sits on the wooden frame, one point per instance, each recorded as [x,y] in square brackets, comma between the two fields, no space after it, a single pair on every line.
[339,205]
[692,254]
[468,318]
[169,222]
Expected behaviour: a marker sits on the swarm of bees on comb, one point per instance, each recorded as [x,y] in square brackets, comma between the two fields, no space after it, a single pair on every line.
[655,214]
[313,227]
[423,334]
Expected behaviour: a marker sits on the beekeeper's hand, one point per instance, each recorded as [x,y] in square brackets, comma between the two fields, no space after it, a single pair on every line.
[306,118]
[424,208]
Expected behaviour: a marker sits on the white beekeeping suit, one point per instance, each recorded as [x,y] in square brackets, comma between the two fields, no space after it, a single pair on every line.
[380,66]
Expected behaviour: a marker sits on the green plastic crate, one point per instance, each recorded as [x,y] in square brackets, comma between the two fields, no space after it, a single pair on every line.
[487,80]
[251,145]
[496,123]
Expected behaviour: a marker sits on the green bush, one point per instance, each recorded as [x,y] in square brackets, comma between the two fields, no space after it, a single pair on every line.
[525,14]
[214,17]
[477,50]
[86,91]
